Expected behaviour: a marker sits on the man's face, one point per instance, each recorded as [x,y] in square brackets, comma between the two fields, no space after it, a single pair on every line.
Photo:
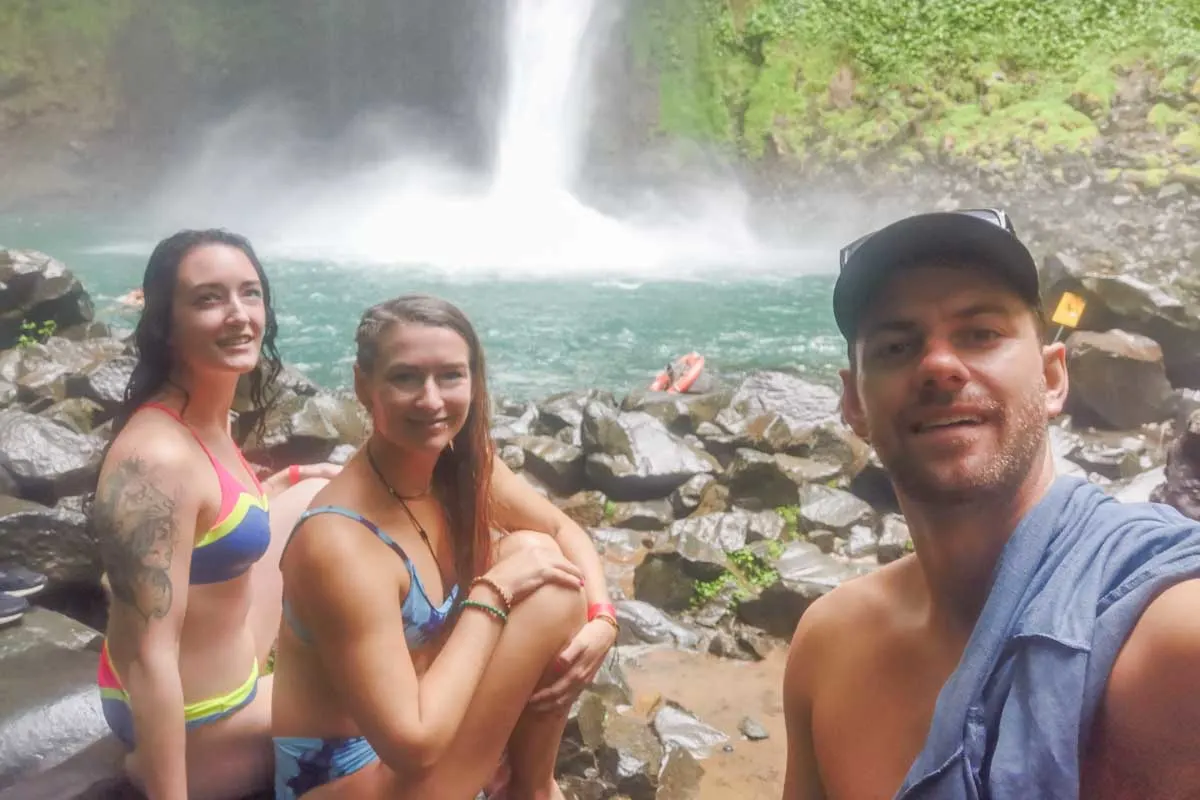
[952,385]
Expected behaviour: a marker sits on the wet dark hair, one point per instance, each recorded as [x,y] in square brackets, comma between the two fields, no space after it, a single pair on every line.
[153,333]
[463,473]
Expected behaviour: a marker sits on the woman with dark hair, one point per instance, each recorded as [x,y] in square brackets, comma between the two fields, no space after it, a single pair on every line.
[189,537]
[438,613]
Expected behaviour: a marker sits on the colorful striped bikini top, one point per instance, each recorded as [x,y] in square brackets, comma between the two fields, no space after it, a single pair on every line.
[242,532]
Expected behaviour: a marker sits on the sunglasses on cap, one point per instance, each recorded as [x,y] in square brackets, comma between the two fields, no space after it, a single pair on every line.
[995,216]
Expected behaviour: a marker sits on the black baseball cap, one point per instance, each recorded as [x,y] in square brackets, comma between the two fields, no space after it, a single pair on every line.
[982,237]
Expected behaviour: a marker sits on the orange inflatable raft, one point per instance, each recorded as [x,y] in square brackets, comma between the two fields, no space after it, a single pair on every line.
[679,374]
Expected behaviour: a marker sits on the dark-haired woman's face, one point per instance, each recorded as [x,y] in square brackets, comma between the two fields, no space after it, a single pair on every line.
[218,312]
[420,393]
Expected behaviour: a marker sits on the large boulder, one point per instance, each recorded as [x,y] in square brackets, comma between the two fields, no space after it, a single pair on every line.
[1153,303]
[1181,487]
[1117,380]
[47,460]
[681,413]
[553,462]
[779,413]
[632,456]
[35,290]
[763,480]
[805,574]
[302,429]
[54,540]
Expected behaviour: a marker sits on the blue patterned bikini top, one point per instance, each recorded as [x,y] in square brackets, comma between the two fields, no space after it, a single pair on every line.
[422,619]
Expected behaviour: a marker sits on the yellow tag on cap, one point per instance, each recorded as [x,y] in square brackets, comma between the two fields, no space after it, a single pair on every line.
[1070,309]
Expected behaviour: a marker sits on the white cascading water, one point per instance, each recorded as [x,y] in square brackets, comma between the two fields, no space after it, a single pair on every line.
[526,222]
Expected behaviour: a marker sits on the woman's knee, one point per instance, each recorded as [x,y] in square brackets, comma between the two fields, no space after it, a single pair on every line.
[517,542]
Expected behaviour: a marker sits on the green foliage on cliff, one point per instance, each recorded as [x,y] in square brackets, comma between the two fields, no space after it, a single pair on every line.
[835,78]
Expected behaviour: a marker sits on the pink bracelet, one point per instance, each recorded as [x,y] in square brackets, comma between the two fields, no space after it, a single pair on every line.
[293,474]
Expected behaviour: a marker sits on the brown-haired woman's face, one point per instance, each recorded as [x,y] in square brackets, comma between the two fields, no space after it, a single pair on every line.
[218,312]
[419,394]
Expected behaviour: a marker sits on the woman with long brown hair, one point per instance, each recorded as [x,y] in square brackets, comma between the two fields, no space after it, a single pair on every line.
[189,537]
[439,613]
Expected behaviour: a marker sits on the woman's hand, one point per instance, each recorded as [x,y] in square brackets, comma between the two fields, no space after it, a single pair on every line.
[528,570]
[287,478]
[578,664]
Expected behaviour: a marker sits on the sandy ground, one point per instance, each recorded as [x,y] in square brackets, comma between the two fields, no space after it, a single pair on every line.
[722,692]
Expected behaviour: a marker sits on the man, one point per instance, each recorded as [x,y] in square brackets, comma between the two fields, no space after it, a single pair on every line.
[1044,640]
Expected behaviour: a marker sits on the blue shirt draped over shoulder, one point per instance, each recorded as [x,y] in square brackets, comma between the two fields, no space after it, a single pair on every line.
[1071,583]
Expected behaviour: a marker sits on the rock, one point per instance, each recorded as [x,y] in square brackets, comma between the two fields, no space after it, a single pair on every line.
[632,455]
[1138,300]
[48,707]
[586,508]
[646,515]
[47,460]
[55,541]
[564,413]
[36,289]
[1140,489]
[805,573]
[760,480]
[1117,380]
[779,413]
[642,623]
[752,730]
[559,466]
[678,728]
[1115,460]
[861,543]
[304,429]
[1181,488]
[77,413]
[705,540]
[894,539]
[512,456]
[104,383]
[507,428]
[681,413]
[832,509]
[686,498]
[714,498]
[668,581]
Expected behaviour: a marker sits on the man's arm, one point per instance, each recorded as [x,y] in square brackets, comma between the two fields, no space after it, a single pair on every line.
[803,780]
[1147,734]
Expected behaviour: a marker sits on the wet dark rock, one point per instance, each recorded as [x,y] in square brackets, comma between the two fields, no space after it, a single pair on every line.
[861,542]
[667,580]
[686,498]
[761,480]
[586,508]
[506,428]
[645,515]
[8,393]
[752,730]
[705,540]
[52,540]
[47,460]
[35,288]
[678,728]
[642,623]
[873,485]
[1134,300]
[632,455]
[103,382]
[512,456]
[825,540]
[894,539]
[681,413]
[779,413]
[805,573]
[1117,380]
[556,464]
[76,413]
[832,509]
[1181,486]
[305,429]
[713,498]
[561,415]
[1115,458]
[48,708]
[680,775]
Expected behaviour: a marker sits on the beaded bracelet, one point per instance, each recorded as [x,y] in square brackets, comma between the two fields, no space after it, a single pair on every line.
[506,597]
[495,612]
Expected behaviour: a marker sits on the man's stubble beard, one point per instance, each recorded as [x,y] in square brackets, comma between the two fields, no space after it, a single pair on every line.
[1024,430]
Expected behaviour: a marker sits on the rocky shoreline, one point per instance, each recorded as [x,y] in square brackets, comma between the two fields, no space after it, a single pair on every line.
[720,516]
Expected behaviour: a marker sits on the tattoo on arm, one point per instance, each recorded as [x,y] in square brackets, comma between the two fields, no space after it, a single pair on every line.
[135,524]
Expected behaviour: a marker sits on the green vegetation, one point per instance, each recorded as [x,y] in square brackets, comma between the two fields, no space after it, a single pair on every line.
[36,332]
[747,573]
[836,79]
